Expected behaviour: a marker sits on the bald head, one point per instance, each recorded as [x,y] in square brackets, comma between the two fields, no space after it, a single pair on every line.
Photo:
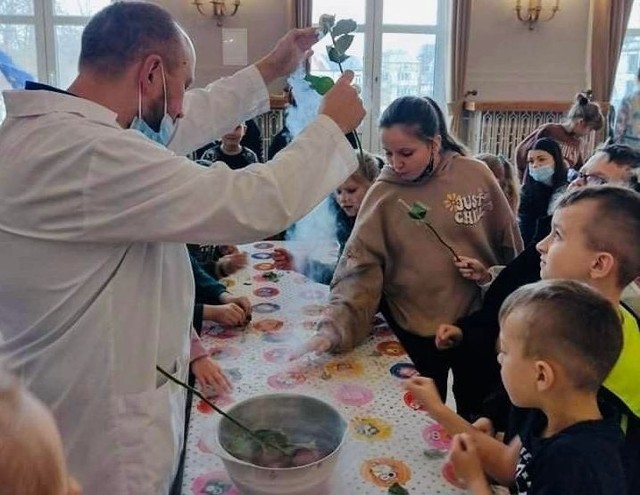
[126,33]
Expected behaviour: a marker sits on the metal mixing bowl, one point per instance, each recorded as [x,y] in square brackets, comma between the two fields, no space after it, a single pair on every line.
[301,418]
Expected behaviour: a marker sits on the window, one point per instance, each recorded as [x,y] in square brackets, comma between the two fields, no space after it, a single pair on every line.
[43,36]
[399,49]
[628,64]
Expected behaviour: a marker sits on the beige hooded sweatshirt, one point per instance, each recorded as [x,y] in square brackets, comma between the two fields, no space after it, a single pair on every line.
[390,255]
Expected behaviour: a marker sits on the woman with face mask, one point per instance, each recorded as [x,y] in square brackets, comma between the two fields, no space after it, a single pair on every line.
[546,174]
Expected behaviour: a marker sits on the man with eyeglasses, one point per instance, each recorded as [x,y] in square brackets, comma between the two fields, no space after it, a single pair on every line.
[613,164]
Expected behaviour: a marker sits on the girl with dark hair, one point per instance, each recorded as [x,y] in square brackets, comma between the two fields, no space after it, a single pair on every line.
[546,176]
[391,262]
[583,117]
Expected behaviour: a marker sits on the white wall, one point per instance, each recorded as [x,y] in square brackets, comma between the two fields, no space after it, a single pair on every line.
[265,20]
[507,62]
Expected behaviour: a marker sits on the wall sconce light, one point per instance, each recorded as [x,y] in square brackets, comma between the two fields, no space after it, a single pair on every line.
[219,11]
[532,14]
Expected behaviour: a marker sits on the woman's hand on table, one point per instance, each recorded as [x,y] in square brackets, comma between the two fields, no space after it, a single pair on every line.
[283,259]
[241,301]
[227,315]
[325,339]
[467,464]
[448,336]
[425,393]
[209,373]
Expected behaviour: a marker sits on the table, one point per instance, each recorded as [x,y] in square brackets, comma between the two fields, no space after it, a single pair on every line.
[390,439]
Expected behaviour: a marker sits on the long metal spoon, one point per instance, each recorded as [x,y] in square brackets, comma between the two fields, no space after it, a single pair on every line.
[221,412]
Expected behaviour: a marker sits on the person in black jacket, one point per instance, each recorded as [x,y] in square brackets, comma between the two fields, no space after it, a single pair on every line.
[477,333]
[547,175]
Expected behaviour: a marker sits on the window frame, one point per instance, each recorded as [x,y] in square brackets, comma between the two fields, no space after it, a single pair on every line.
[44,20]
[374,30]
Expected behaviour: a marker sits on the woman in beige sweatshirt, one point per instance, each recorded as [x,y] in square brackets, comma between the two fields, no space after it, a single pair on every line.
[393,263]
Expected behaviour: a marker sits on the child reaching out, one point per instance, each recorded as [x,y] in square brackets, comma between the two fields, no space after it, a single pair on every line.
[32,460]
[345,204]
[559,340]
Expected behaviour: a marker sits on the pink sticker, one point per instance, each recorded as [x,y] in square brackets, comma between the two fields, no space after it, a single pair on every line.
[264,267]
[411,402]
[449,474]
[214,483]
[267,325]
[286,380]
[266,292]
[436,437]
[220,401]
[277,355]
[352,394]
[222,352]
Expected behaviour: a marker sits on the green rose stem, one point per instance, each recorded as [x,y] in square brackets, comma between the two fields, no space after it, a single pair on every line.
[419,216]
[354,132]
[261,440]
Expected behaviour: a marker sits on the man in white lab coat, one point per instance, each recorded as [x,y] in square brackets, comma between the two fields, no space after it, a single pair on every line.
[95,286]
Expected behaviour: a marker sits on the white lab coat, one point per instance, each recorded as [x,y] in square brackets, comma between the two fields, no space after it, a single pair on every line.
[96,286]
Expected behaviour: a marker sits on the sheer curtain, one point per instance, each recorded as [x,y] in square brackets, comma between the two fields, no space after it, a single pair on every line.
[460,21]
[610,18]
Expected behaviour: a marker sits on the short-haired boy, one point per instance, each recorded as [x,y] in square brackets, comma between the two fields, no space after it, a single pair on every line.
[594,239]
[558,341]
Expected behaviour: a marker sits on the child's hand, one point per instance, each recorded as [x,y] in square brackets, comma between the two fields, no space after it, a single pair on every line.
[227,315]
[485,426]
[283,259]
[208,372]
[241,301]
[466,463]
[473,269]
[448,336]
[231,263]
[424,392]
[225,249]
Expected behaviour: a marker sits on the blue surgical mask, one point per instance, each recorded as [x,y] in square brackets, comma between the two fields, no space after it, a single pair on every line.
[167,126]
[542,174]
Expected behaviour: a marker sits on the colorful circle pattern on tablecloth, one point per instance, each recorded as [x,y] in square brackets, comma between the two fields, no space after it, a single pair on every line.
[436,437]
[370,429]
[385,471]
[411,402]
[266,292]
[214,483]
[267,325]
[286,380]
[353,394]
[391,348]
[224,352]
[403,370]
[263,245]
[264,267]
[277,355]
[265,308]
[262,256]
[343,368]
